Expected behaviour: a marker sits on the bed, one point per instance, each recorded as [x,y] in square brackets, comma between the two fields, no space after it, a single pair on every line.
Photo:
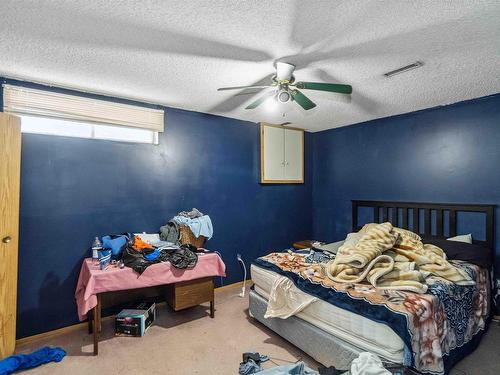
[334,333]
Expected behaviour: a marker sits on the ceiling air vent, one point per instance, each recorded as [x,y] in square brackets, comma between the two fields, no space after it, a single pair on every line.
[404,69]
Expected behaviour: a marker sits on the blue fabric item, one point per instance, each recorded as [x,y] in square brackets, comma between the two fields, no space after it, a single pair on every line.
[26,361]
[200,226]
[152,256]
[298,368]
[115,244]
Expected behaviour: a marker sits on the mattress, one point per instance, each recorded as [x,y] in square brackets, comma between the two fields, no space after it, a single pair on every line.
[354,329]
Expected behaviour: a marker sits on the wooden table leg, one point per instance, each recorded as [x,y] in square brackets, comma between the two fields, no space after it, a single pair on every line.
[99,312]
[96,324]
[90,319]
[212,302]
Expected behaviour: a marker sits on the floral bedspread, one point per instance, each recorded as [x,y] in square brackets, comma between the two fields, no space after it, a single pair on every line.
[438,328]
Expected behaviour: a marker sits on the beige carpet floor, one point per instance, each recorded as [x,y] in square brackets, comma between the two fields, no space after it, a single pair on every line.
[190,342]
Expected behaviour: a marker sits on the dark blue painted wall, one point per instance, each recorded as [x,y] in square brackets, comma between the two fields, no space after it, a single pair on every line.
[444,154]
[73,189]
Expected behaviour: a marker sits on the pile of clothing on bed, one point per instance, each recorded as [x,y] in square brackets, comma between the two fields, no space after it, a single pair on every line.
[438,305]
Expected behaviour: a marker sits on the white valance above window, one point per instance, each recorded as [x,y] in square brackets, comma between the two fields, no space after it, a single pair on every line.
[27,101]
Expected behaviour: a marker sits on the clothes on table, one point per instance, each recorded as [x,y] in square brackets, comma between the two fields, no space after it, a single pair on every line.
[139,244]
[170,232]
[198,223]
[193,214]
[141,258]
[152,256]
[163,245]
[183,257]
[115,243]
[200,226]
[25,361]
[149,237]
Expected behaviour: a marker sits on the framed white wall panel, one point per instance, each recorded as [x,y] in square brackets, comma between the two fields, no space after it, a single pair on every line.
[282,154]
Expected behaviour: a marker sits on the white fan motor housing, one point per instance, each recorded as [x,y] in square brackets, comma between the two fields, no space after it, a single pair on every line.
[284,71]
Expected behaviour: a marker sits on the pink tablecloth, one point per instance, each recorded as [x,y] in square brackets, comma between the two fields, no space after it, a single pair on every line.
[93,281]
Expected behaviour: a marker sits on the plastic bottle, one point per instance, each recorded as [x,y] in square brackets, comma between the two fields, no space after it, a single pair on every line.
[96,247]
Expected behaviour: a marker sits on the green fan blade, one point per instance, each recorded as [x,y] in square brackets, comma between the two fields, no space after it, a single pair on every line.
[261,100]
[330,87]
[302,100]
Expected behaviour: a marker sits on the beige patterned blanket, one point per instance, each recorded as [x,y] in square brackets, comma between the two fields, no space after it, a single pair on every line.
[392,258]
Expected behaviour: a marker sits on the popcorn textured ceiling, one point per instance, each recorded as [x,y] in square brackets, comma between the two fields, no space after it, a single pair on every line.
[177,53]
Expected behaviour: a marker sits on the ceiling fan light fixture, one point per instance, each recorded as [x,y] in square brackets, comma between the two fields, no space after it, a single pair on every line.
[283,96]
[284,89]
[404,69]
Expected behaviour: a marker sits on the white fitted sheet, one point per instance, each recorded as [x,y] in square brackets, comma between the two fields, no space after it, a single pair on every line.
[355,329]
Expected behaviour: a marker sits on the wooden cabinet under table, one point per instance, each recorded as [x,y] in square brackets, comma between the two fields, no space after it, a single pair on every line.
[191,293]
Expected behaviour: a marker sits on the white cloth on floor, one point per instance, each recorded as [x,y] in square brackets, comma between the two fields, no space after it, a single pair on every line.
[368,364]
[286,300]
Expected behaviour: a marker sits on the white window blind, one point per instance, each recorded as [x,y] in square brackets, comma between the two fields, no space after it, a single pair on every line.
[33,102]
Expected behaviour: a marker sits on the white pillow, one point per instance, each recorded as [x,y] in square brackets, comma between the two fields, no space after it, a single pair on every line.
[467,238]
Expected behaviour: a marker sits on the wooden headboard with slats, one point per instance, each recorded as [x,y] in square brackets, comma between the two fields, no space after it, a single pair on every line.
[445,216]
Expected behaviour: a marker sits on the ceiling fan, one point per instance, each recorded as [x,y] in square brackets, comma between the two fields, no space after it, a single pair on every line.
[285,88]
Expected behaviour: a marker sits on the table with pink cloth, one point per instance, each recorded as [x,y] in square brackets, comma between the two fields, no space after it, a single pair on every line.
[93,281]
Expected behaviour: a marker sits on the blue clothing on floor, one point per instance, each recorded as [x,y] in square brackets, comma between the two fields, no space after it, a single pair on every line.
[200,226]
[26,361]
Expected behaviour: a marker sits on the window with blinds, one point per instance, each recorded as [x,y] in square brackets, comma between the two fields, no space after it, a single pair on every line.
[45,112]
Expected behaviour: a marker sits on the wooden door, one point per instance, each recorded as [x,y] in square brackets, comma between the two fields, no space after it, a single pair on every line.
[294,155]
[10,168]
